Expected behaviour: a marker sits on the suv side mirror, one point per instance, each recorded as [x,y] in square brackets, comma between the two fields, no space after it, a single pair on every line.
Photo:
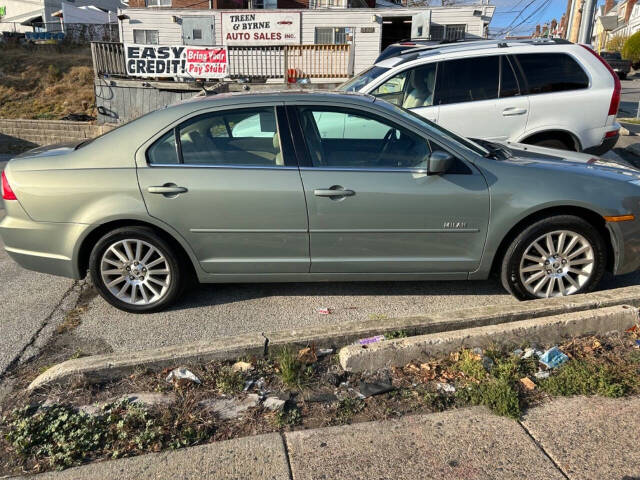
[439,162]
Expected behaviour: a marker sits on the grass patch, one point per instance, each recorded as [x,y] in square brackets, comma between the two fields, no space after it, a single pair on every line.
[396,334]
[292,371]
[288,417]
[228,381]
[61,437]
[470,365]
[348,408]
[498,394]
[592,377]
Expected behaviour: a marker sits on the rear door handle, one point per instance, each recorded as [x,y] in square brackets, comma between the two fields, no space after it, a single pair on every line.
[509,112]
[333,192]
[167,189]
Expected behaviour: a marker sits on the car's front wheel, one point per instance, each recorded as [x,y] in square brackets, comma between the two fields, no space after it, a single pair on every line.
[136,270]
[558,256]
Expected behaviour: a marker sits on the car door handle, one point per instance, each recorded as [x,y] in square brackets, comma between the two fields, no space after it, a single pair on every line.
[333,192]
[168,189]
[509,112]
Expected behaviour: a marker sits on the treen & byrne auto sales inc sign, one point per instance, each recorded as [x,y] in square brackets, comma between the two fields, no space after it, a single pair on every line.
[155,61]
[260,28]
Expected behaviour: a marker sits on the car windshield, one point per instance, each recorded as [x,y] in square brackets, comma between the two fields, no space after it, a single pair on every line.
[362,79]
[465,142]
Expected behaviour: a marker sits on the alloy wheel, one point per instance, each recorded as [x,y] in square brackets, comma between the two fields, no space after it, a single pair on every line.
[556,264]
[135,272]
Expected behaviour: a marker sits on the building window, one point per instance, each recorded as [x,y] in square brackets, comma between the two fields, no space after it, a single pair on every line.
[331,35]
[145,37]
[158,3]
[448,32]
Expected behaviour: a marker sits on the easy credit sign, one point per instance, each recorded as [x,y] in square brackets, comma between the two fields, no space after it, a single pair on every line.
[260,28]
[155,61]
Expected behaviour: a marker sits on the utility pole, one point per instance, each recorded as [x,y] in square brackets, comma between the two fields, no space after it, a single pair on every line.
[586,25]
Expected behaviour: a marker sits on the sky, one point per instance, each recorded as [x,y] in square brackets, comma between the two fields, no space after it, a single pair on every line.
[531,12]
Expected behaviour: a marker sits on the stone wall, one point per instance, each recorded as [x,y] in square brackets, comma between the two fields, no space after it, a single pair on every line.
[16,135]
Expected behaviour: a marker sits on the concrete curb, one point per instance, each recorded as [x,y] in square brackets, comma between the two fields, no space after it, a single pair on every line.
[106,367]
[553,329]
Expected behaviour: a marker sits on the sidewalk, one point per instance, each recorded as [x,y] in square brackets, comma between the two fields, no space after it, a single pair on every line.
[574,438]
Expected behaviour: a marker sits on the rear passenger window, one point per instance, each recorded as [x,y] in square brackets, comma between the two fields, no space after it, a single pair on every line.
[552,72]
[247,137]
[163,151]
[508,82]
[467,80]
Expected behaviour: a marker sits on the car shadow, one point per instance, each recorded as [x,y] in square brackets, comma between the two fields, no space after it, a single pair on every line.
[221,294]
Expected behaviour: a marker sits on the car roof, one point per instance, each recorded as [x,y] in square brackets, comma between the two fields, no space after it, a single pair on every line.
[427,51]
[280,94]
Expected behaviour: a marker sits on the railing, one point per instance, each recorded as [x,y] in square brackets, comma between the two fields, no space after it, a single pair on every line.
[108,59]
[70,32]
[288,62]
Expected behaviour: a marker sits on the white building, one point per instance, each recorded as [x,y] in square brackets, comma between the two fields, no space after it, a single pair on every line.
[25,15]
[367,30]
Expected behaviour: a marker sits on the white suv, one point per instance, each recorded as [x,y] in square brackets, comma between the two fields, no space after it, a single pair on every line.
[551,93]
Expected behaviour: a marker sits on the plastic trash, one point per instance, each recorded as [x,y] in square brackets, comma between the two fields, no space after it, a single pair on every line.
[367,341]
[553,358]
[446,387]
[375,388]
[324,311]
[241,367]
[182,374]
[527,383]
[518,352]
[528,353]
[323,352]
[540,374]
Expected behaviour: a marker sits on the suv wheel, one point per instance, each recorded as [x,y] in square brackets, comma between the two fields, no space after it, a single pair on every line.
[135,270]
[558,256]
[553,143]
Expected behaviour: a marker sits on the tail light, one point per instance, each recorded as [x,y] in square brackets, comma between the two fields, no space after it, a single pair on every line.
[7,193]
[407,44]
[615,98]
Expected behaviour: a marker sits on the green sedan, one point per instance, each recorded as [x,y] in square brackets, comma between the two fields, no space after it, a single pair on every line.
[278,187]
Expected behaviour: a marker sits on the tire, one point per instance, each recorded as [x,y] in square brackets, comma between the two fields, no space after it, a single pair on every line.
[155,253]
[553,143]
[521,275]
[622,76]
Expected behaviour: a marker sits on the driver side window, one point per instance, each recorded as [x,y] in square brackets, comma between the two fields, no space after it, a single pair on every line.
[350,139]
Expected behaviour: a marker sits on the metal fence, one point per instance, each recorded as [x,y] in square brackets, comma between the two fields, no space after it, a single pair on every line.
[288,62]
[70,32]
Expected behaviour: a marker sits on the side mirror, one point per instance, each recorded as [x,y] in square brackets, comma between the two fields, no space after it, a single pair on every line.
[439,162]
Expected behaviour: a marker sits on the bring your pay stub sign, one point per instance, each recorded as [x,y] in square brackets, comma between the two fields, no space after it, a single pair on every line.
[154,61]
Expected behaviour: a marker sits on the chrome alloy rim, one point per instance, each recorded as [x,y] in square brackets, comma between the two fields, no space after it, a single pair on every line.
[135,272]
[557,264]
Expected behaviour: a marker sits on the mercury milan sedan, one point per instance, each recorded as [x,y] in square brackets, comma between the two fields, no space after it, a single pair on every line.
[278,187]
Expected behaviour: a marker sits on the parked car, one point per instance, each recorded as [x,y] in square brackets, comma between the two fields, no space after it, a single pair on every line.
[550,93]
[277,187]
[619,65]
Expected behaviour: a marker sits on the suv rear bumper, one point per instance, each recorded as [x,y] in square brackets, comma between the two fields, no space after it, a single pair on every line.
[604,147]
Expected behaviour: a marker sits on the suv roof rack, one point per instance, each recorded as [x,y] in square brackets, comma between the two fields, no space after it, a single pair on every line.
[499,43]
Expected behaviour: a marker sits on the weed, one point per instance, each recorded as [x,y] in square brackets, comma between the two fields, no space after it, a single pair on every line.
[288,417]
[592,377]
[348,408]
[292,371]
[228,381]
[496,393]
[470,365]
[395,334]
[438,402]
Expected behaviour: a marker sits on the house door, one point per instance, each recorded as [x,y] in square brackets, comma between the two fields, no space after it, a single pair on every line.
[198,30]
[395,29]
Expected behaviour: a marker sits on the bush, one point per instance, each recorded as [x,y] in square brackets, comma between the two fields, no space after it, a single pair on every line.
[616,44]
[631,49]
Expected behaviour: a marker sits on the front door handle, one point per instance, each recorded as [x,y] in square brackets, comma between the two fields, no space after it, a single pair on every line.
[168,190]
[335,191]
[510,112]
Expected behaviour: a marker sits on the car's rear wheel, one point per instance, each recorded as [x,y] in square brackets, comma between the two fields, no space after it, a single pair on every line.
[558,256]
[553,143]
[135,270]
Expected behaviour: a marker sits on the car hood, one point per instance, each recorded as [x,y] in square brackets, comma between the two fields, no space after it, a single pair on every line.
[51,150]
[570,162]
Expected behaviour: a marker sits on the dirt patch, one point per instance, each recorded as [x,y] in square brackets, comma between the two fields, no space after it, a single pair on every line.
[51,428]
[45,82]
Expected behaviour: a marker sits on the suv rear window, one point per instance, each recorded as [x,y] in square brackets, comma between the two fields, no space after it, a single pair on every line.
[552,72]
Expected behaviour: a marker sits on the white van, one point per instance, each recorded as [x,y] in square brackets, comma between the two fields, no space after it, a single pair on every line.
[551,93]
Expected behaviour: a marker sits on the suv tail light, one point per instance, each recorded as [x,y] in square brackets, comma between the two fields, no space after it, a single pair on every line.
[7,193]
[615,98]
